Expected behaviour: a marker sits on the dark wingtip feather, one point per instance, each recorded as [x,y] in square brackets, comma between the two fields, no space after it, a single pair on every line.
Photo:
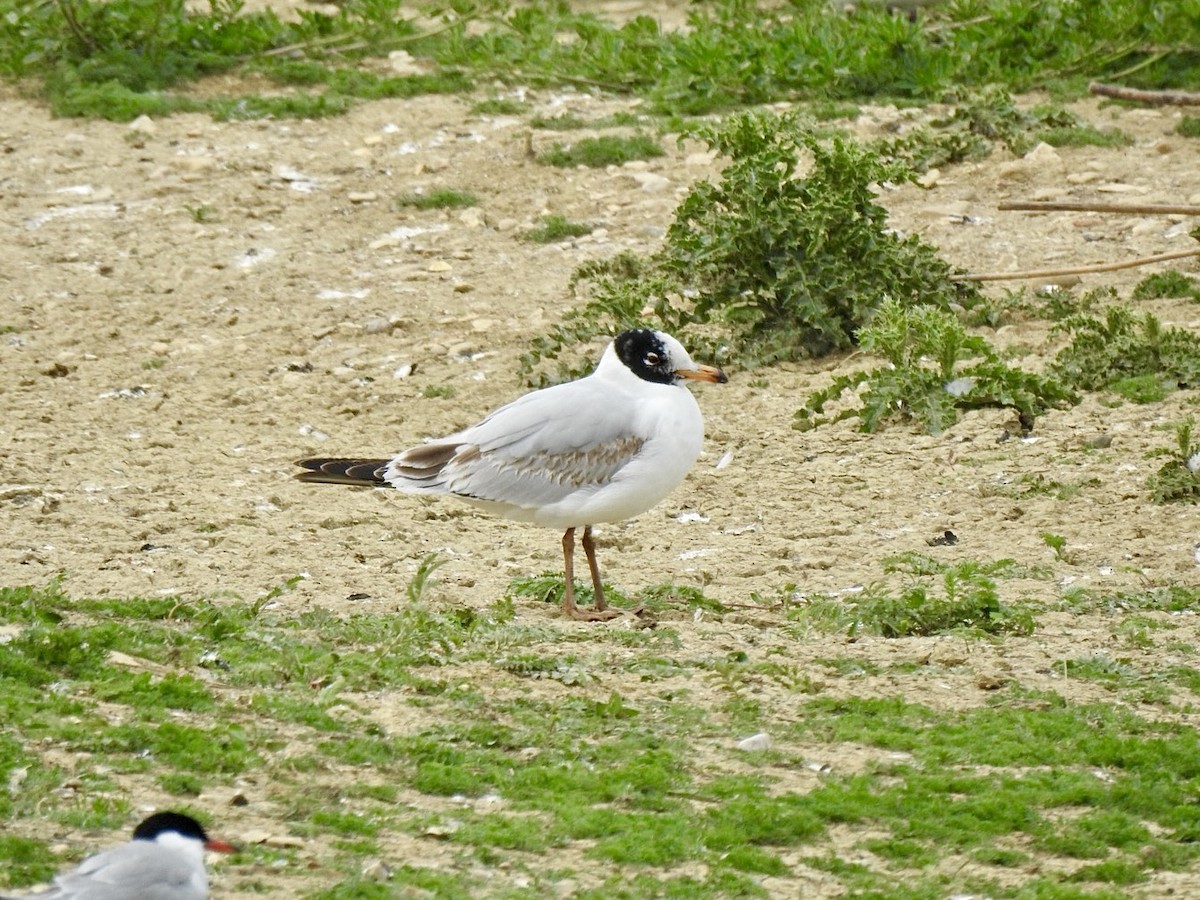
[336,470]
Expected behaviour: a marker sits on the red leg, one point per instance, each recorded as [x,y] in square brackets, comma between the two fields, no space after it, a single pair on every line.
[569,607]
[589,549]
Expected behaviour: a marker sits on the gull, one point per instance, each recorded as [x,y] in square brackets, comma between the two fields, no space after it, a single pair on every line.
[164,861]
[604,448]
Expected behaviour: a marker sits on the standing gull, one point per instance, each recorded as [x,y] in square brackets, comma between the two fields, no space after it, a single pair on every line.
[164,861]
[604,448]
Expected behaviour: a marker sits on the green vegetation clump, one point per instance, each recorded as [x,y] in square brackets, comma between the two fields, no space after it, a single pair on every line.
[440,198]
[966,599]
[1178,480]
[555,228]
[1189,126]
[122,58]
[982,118]
[1167,284]
[769,263]
[605,150]
[1124,345]
[934,369]
[814,50]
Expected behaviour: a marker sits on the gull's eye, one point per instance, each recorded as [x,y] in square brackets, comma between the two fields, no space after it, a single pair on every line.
[652,359]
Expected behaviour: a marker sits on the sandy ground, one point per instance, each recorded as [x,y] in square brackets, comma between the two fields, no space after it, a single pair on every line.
[158,374]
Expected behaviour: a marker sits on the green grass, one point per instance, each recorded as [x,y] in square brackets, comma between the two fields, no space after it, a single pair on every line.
[127,57]
[606,150]
[499,106]
[439,198]
[639,787]
[439,392]
[556,228]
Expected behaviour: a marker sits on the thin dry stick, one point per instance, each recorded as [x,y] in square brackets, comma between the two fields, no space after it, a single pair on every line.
[1152,209]
[1075,270]
[1174,98]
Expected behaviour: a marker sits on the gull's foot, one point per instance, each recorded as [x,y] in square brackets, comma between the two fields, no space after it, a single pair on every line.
[591,615]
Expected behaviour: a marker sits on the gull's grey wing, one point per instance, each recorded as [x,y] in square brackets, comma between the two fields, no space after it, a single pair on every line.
[535,451]
[138,870]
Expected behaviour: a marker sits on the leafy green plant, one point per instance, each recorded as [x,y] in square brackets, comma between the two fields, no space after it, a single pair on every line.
[605,150]
[1141,388]
[1124,345]
[1058,544]
[1178,479]
[766,264]
[925,380]
[815,51]
[423,580]
[25,860]
[1189,126]
[783,259]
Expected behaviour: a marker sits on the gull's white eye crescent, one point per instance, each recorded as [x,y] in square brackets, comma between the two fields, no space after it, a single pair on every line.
[652,359]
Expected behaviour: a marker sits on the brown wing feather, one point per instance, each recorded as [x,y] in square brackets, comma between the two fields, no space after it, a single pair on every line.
[335,470]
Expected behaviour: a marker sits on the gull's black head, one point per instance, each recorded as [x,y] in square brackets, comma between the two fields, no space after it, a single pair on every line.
[159,823]
[659,358]
[645,354]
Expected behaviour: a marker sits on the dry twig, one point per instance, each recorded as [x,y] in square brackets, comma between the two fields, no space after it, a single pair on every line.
[1172,98]
[1150,209]
[1075,270]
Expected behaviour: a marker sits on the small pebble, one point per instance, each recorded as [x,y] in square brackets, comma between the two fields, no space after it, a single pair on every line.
[756,742]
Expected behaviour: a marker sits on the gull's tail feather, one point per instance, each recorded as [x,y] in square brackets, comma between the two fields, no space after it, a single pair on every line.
[337,470]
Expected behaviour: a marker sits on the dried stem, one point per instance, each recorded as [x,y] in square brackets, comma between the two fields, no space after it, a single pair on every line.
[1160,98]
[1075,270]
[1153,209]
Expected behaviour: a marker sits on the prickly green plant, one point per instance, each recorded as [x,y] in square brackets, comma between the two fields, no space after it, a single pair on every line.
[1125,344]
[786,256]
[928,377]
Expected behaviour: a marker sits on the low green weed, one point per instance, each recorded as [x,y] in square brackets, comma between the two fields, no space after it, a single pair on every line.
[499,106]
[578,768]
[796,51]
[1039,485]
[925,381]
[26,860]
[1058,544]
